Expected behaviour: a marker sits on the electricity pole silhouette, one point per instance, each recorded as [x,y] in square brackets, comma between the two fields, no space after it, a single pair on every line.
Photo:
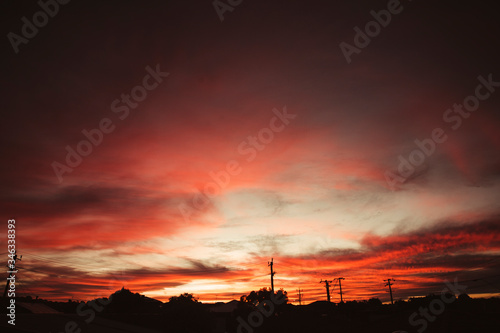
[340,286]
[390,289]
[11,272]
[300,297]
[327,286]
[270,263]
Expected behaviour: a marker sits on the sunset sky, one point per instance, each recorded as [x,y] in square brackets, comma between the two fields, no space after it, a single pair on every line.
[301,141]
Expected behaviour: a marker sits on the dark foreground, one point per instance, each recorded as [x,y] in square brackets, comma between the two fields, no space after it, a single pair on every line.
[127,312]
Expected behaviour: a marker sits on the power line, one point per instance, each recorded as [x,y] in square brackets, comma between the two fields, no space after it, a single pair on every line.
[390,289]
[272,274]
[300,297]
[327,286]
[340,286]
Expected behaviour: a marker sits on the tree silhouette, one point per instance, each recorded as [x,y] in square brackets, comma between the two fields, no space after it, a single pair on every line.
[374,302]
[185,298]
[256,297]
[184,313]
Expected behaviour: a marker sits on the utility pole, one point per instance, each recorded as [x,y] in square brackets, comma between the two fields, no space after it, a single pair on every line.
[340,286]
[390,289]
[300,297]
[11,271]
[327,286]
[270,263]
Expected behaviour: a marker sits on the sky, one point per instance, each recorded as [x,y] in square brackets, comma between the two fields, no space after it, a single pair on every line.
[177,146]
